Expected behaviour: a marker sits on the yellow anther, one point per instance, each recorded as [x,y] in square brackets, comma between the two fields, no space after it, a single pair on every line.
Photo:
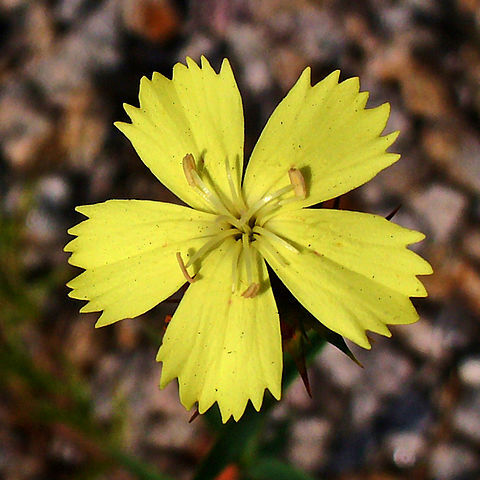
[184,269]
[188,164]
[298,182]
[251,291]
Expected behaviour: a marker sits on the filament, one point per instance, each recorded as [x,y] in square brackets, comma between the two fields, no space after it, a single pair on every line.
[263,243]
[230,219]
[238,202]
[264,201]
[183,268]
[236,258]
[208,194]
[207,246]
[272,236]
[247,257]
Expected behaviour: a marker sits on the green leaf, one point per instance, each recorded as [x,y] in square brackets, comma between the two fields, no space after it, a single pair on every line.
[269,468]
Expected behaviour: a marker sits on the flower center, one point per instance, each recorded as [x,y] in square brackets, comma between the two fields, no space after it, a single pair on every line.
[244,223]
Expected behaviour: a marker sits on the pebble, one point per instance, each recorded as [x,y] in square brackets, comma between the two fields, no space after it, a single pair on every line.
[155,21]
[52,191]
[169,433]
[24,129]
[339,368]
[406,448]
[249,45]
[308,441]
[466,417]
[89,48]
[469,371]
[443,207]
[456,150]
[471,243]
[70,10]
[452,461]
[387,371]
[426,339]
[364,406]
[83,129]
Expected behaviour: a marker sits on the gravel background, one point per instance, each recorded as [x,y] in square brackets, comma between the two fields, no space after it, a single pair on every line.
[66,67]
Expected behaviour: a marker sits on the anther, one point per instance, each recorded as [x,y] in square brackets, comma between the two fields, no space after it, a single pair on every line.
[251,291]
[188,164]
[184,269]
[298,182]
[194,180]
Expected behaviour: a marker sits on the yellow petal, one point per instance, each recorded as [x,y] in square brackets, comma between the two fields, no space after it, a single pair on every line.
[128,249]
[325,132]
[198,112]
[221,346]
[353,272]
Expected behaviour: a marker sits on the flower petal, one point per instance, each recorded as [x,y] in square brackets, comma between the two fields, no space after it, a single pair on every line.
[197,112]
[128,248]
[325,132]
[223,347]
[353,271]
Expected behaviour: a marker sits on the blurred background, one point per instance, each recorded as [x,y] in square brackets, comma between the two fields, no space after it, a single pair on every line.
[80,403]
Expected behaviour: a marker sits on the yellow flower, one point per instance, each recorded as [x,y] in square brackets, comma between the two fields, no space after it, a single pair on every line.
[351,270]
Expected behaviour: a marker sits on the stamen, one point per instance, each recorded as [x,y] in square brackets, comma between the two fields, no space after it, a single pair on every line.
[188,164]
[247,256]
[183,268]
[253,287]
[232,220]
[263,201]
[263,243]
[268,211]
[237,198]
[194,180]
[251,291]
[272,236]
[207,246]
[236,258]
[298,182]
[208,194]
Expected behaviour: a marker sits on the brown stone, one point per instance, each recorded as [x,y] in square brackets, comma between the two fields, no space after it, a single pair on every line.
[156,20]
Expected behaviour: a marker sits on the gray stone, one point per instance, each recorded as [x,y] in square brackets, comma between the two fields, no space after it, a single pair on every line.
[339,368]
[90,48]
[406,448]
[69,10]
[425,338]
[24,129]
[249,45]
[466,417]
[469,371]
[309,438]
[443,208]
[471,243]
[53,190]
[387,371]
[449,461]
